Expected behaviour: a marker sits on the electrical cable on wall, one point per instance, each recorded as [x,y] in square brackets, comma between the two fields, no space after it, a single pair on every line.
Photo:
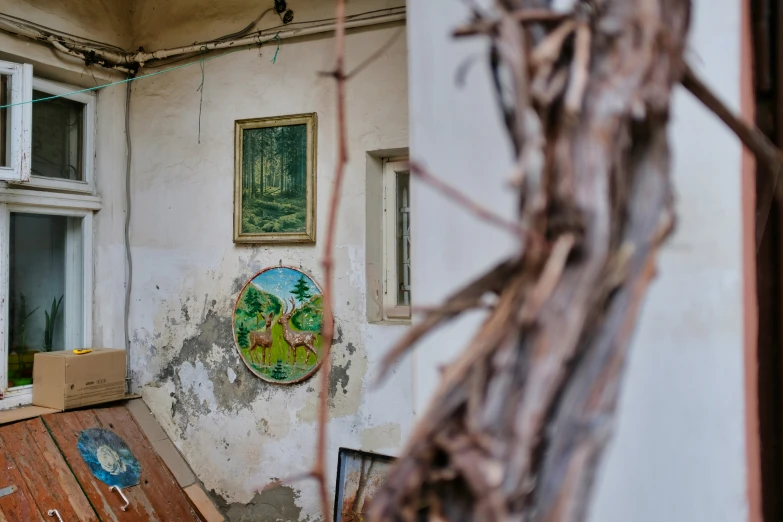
[127,61]
[118,82]
[128,255]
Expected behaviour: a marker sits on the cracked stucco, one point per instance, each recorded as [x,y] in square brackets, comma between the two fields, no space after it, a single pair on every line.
[240,435]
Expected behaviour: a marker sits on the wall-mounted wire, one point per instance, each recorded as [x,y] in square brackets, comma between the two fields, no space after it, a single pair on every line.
[128,254]
[131,61]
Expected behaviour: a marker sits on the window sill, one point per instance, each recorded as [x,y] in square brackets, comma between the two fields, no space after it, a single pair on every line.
[391,322]
[40,198]
[66,185]
[17,397]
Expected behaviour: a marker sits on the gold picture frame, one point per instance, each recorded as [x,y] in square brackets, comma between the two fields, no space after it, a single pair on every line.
[275,179]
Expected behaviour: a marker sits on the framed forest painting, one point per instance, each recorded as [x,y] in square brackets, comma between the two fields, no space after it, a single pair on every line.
[274,179]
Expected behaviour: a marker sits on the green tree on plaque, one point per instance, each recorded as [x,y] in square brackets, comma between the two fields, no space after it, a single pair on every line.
[253,303]
[242,332]
[302,290]
[278,372]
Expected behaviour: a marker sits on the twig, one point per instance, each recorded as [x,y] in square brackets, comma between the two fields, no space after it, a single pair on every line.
[543,59]
[327,333]
[465,202]
[765,151]
[524,16]
[550,276]
[377,54]
[579,71]
[548,51]
[492,281]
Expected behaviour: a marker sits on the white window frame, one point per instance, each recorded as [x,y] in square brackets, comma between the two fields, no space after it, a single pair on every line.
[35,204]
[51,197]
[21,116]
[88,144]
[392,310]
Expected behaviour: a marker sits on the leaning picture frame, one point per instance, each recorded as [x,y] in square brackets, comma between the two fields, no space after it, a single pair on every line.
[359,476]
[275,179]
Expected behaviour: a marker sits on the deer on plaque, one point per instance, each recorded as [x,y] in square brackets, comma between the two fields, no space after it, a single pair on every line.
[263,340]
[296,339]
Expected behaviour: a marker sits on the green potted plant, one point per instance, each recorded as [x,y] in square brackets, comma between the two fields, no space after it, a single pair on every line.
[51,320]
[21,374]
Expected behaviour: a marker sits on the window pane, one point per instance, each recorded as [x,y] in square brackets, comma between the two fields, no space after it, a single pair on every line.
[57,138]
[403,239]
[45,289]
[5,121]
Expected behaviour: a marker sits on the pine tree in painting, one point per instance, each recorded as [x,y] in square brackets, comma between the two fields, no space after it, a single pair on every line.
[302,290]
[253,302]
[278,372]
[242,332]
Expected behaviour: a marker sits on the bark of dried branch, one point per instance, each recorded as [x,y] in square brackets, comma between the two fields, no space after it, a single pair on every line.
[518,424]
[327,333]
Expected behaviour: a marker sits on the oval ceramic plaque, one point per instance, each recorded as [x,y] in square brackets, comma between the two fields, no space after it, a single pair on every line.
[108,457]
[277,325]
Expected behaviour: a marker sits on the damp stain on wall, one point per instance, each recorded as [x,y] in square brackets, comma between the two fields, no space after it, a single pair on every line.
[276,502]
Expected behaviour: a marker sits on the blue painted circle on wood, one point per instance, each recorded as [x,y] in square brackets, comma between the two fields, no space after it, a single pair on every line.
[108,457]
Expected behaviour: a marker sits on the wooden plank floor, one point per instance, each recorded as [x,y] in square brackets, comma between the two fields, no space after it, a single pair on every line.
[20,505]
[157,482]
[45,472]
[158,497]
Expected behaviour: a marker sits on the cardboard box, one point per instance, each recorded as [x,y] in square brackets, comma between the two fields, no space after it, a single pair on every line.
[64,380]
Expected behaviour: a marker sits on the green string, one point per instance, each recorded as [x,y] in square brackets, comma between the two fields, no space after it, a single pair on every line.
[274,58]
[126,80]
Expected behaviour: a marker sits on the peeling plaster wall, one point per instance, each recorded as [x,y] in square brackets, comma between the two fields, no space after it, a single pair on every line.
[243,438]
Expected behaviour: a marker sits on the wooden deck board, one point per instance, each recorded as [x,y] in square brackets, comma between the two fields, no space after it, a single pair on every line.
[19,505]
[65,428]
[157,481]
[45,472]
[157,497]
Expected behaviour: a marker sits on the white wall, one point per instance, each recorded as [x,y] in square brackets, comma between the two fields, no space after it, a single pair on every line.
[98,20]
[679,449]
[456,133]
[239,434]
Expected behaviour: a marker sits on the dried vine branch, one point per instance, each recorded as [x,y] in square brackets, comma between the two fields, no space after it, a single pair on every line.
[769,156]
[327,333]
[465,202]
[527,16]
[519,421]
[461,300]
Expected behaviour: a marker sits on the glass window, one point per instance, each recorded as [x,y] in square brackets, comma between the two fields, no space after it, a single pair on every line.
[45,289]
[58,134]
[403,239]
[397,241]
[15,121]
[5,121]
